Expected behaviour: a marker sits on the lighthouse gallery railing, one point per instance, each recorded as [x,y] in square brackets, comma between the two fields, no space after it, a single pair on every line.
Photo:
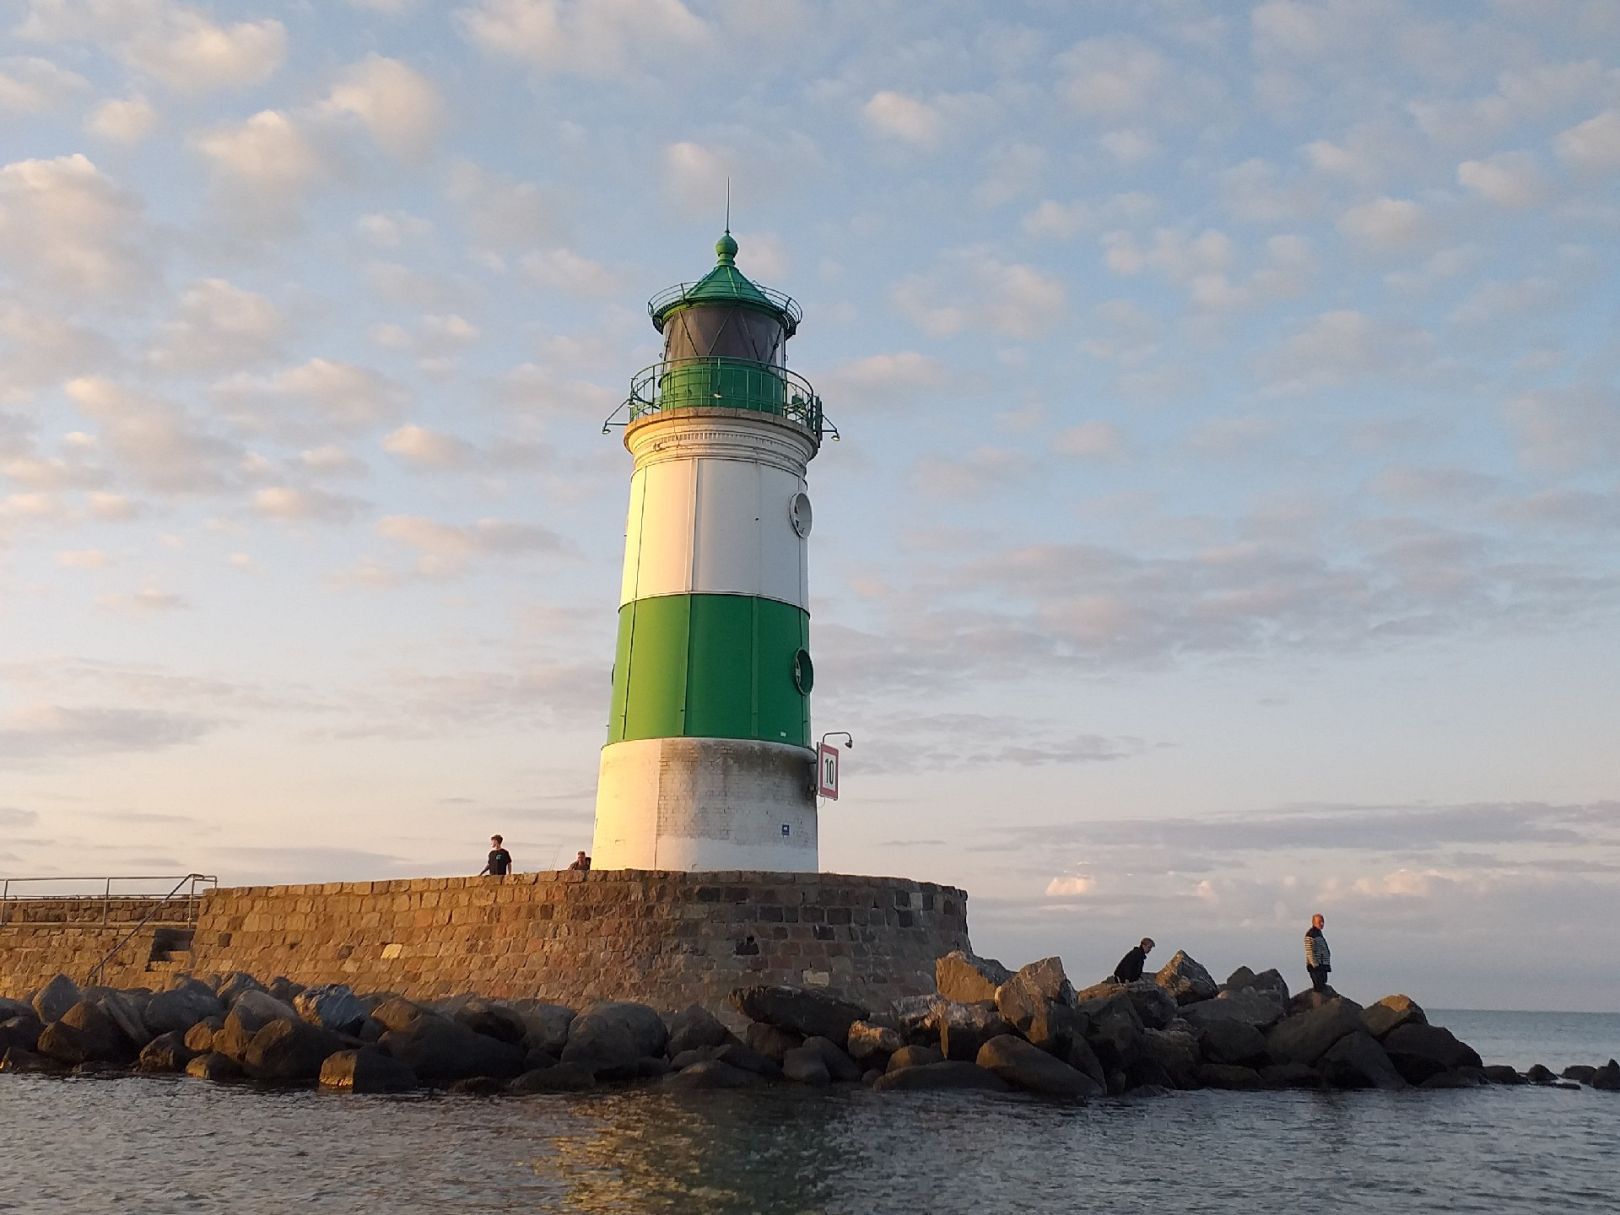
[724,383]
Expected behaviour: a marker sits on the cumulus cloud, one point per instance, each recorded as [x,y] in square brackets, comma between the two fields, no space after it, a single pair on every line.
[606,38]
[1592,146]
[153,441]
[1567,428]
[428,448]
[1091,440]
[218,325]
[905,118]
[503,212]
[1386,225]
[1072,886]
[1508,179]
[30,85]
[400,108]
[1113,77]
[266,160]
[125,120]
[446,548]
[1343,346]
[1012,298]
[66,227]
[50,731]
[316,397]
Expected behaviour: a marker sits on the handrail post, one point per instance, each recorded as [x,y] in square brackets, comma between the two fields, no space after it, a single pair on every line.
[106,902]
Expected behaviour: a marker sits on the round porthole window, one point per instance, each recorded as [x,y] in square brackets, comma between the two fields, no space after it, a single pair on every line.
[804,671]
[800,514]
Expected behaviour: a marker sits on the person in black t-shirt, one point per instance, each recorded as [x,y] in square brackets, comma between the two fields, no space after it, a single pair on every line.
[500,860]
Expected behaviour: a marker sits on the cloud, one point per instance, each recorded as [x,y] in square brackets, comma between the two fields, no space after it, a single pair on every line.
[65,227]
[399,107]
[428,448]
[905,118]
[446,548]
[1386,225]
[144,602]
[218,325]
[1341,347]
[1113,77]
[48,731]
[266,161]
[315,398]
[122,120]
[1070,887]
[176,44]
[573,274]
[291,504]
[605,38]
[30,86]
[1594,145]
[1013,299]
[155,442]
[504,213]
[1090,440]
[1508,179]
[691,171]
[83,559]
[1567,428]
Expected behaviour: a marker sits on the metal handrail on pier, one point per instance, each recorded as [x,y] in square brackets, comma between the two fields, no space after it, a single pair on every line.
[181,897]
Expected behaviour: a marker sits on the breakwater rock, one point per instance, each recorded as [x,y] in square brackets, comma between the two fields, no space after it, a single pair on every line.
[1027,1030]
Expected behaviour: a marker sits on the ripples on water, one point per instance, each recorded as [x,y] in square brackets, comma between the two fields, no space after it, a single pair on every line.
[156,1146]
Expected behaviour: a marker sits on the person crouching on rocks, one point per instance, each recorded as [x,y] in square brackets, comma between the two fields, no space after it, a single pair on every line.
[1318,959]
[582,862]
[1130,966]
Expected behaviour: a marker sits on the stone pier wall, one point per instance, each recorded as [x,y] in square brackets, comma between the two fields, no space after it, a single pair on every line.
[31,953]
[667,939]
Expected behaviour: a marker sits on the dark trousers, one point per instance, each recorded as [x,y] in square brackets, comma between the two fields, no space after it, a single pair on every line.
[1319,976]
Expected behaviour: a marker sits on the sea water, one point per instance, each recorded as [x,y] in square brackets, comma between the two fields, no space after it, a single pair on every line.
[155,1145]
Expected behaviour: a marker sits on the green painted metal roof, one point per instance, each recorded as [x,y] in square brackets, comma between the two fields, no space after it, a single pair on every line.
[725,284]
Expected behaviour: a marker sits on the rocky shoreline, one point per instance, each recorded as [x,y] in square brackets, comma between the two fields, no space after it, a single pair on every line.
[987,1028]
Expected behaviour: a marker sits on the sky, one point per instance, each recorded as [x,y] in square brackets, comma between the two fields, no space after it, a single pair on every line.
[1223,521]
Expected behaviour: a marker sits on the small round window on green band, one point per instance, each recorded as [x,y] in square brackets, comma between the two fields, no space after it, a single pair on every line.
[804,671]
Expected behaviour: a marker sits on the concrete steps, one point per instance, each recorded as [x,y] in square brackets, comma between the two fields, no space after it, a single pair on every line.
[171,951]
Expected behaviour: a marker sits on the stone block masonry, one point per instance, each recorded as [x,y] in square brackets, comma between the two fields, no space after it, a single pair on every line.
[663,938]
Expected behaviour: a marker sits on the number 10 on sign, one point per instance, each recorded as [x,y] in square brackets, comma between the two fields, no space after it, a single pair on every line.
[827,772]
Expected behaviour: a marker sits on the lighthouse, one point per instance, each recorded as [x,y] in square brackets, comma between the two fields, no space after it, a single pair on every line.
[709,762]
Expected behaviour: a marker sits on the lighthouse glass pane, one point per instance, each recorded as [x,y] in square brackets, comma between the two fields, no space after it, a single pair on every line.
[711,331]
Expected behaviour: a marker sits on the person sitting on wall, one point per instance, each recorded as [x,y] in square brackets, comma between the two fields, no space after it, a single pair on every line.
[1130,966]
[500,860]
[581,862]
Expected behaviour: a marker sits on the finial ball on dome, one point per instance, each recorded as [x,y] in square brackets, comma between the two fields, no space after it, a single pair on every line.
[726,248]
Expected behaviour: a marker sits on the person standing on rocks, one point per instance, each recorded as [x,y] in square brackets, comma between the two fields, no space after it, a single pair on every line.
[1318,959]
[1130,966]
[500,860]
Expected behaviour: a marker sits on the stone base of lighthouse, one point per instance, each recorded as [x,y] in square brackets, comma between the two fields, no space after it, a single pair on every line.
[706,803]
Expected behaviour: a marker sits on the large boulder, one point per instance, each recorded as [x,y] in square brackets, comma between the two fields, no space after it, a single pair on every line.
[563,1078]
[289,1050]
[1290,1075]
[18,1060]
[810,1014]
[10,1008]
[234,985]
[770,1041]
[1390,1014]
[610,1038]
[125,1011]
[250,1013]
[53,1000]
[214,1066]
[694,1028]
[367,1070]
[713,1073]
[1228,1076]
[20,1032]
[1025,995]
[950,1073]
[1305,1037]
[1175,1053]
[1607,1078]
[85,1034]
[1154,1005]
[166,1053]
[182,1006]
[1028,1067]
[331,1006]
[964,1028]
[1115,1030]
[439,1051]
[964,978]
[399,1014]
[735,1054]
[491,1018]
[1233,1042]
[200,1037]
[1357,1061]
[1419,1051]
[1244,979]
[1185,981]
[1260,1007]
[912,1056]
[840,1066]
[546,1024]
[804,1065]
[870,1044]
[284,989]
